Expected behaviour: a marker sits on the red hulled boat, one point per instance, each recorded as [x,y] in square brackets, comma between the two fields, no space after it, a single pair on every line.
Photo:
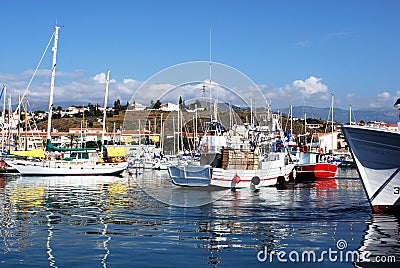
[312,166]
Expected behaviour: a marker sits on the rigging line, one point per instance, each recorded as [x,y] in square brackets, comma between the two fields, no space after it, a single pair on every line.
[34,73]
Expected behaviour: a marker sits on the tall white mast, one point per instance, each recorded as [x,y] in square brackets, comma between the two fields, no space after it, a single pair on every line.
[105,110]
[4,117]
[210,57]
[210,74]
[173,127]
[9,123]
[332,121]
[350,114]
[251,113]
[140,136]
[291,120]
[52,79]
[305,122]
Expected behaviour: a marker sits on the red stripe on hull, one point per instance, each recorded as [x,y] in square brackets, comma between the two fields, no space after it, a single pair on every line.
[223,179]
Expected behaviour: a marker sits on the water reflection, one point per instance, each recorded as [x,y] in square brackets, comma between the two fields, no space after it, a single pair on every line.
[381,241]
[99,221]
[302,217]
[158,185]
[60,203]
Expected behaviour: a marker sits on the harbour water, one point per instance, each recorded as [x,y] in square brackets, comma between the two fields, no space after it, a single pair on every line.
[142,220]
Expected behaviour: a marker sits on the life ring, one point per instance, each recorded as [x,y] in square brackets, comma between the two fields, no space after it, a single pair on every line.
[204,147]
[305,149]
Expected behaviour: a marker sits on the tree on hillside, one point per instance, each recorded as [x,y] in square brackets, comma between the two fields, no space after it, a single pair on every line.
[180,102]
[117,105]
[156,105]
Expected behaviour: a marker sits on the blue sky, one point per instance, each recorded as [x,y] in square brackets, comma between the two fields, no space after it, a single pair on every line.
[298,52]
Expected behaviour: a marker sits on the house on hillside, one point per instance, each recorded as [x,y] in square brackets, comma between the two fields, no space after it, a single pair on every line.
[169,107]
[135,106]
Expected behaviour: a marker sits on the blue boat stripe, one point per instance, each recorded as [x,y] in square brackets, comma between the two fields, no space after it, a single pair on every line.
[384,185]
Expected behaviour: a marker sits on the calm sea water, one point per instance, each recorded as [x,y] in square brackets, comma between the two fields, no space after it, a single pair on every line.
[144,221]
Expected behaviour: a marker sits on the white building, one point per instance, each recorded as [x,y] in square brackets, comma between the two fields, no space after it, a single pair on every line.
[137,107]
[169,107]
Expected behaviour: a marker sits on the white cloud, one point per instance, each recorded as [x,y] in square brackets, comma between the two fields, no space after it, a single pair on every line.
[303,43]
[311,85]
[310,91]
[384,96]
[76,88]
[101,78]
[128,80]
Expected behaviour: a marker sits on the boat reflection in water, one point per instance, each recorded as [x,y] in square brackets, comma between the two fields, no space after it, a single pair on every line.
[380,244]
[158,184]
[58,204]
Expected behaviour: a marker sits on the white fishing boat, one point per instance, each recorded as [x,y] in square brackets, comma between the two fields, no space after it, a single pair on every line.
[247,160]
[69,161]
[269,169]
[376,152]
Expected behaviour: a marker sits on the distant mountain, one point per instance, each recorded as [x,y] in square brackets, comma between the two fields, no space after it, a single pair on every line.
[384,114]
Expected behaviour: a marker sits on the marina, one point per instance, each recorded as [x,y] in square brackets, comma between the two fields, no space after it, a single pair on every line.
[177,161]
[105,221]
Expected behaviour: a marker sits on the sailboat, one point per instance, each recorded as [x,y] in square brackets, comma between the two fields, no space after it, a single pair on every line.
[66,161]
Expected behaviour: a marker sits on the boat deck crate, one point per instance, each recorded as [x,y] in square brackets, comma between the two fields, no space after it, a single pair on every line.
[236,159]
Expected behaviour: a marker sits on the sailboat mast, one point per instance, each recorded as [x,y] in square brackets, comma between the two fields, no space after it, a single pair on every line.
[105,110]
[291,120]
[9,124]
[332,121]
[26,125]
[251,113]
[4,117]
[305,122]
[350,114]
[52,80]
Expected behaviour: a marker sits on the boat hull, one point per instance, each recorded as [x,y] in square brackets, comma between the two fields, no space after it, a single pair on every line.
[377,153]
[66,168]
[315,171]
[194,176]
[249,178]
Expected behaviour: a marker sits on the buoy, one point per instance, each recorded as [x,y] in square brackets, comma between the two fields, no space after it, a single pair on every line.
[255,180]
[236,179]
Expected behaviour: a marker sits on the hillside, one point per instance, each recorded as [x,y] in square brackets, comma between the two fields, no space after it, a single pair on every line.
[64,124]
[146,117]
[384,114]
